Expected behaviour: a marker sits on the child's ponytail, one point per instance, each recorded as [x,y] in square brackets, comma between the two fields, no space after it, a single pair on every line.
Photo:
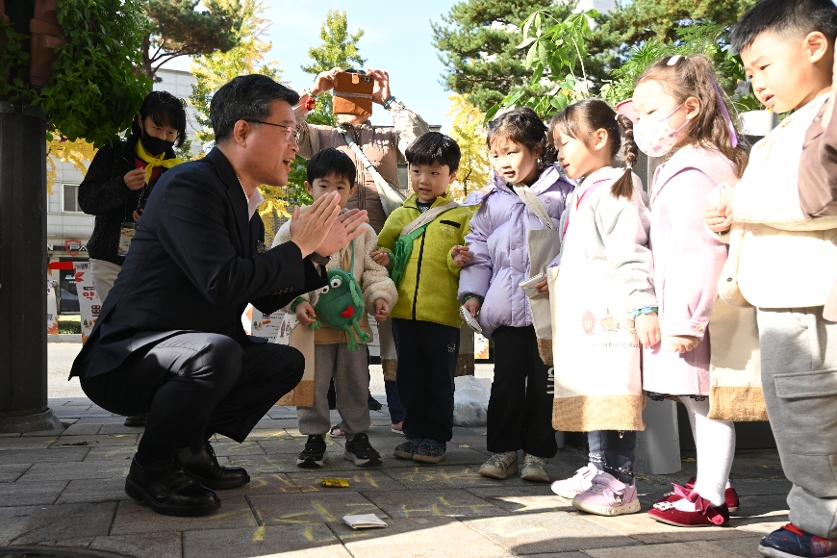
[624,187]
[581,119]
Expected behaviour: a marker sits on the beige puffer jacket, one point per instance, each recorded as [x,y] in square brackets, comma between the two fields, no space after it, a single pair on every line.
[383,145]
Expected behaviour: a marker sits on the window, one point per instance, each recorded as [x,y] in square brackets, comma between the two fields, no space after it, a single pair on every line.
[71,198]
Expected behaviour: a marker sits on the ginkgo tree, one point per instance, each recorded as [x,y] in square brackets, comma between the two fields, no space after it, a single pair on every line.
[469,132]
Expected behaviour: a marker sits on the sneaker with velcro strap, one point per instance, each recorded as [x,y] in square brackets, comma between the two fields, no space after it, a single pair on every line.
[360,452]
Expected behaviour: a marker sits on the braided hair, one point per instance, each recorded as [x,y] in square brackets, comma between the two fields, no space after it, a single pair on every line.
[581,119]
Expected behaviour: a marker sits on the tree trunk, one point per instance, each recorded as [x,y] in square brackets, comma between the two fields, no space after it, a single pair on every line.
[23,259]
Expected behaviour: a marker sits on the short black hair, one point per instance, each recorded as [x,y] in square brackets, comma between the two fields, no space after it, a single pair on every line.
[331,161]
[785,17]
[434,147]
[164,109]
[245,98]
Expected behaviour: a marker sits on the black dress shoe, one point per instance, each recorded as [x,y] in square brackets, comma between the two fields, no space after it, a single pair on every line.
[166,487]
[204,468]
[138,420]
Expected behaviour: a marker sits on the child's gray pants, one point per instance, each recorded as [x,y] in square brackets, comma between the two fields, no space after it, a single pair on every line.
[799,376]
[351,383]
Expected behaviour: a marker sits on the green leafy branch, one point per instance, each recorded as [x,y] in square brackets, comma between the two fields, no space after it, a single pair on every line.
[556,52]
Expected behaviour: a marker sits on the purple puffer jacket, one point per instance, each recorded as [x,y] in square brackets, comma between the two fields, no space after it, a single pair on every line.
[501,257]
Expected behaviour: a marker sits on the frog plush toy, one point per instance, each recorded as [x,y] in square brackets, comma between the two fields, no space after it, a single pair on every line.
[340,306]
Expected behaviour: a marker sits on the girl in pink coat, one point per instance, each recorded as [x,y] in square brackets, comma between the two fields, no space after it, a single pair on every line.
[678,108]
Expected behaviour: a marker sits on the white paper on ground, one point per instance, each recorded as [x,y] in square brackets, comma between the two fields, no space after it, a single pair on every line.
[364,521]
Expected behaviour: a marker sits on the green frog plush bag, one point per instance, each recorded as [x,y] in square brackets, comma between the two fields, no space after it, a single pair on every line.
[340,305]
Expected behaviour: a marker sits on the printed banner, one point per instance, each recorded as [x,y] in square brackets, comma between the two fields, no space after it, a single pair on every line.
[267,326]
[52,310]
[480,347]
[88,301]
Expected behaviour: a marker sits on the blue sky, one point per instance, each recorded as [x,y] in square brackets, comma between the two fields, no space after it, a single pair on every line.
[397,39]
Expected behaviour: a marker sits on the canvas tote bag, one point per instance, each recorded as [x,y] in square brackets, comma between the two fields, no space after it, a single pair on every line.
[596,352]
[543,244]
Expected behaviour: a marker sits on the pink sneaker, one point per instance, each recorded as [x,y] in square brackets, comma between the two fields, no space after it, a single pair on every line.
[575,485]
[607,496]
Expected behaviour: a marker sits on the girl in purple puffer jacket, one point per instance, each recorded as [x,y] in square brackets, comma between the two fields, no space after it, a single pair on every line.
[496,262]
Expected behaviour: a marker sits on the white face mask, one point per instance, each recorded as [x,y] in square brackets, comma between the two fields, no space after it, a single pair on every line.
[655,136]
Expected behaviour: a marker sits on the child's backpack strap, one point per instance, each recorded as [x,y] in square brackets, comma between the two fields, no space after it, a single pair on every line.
[404,245]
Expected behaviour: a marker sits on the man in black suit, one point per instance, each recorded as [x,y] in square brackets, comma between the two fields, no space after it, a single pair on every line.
[169,340]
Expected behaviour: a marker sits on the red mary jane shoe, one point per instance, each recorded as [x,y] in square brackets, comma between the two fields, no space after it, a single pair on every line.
[730,495]
[706,515]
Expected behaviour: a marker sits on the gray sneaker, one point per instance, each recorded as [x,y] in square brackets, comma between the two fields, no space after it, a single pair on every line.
[500,465]
[534,469]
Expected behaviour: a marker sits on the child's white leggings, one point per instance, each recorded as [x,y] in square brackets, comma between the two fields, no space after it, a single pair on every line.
[715,442]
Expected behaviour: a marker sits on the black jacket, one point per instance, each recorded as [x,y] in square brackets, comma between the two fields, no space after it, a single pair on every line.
[103,193]
[193,266]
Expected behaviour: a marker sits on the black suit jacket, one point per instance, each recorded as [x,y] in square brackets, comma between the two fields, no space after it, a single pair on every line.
[193,266]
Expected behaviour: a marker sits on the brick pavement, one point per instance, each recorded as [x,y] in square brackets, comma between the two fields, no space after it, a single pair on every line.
[65,488]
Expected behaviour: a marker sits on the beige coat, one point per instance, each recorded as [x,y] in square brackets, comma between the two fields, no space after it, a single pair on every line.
[788,260]
[384,146]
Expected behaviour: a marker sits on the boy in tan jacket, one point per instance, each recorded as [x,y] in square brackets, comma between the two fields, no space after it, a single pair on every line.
[329,171]
[788,262]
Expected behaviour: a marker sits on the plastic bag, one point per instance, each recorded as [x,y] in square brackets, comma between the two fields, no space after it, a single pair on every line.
[470,401]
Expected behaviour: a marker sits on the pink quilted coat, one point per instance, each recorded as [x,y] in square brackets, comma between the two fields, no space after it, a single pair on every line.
[687,262]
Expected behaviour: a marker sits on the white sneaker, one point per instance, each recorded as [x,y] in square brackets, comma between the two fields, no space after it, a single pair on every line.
[534,469]
[575,485]
[500,465]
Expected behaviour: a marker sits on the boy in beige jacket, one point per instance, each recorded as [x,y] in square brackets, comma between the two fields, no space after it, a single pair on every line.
[788,262]
[329,171]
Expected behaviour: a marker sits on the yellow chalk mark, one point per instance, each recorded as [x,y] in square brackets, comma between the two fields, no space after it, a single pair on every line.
[324,513]
[308,533]
[258,534]
[371,480]
[289,518]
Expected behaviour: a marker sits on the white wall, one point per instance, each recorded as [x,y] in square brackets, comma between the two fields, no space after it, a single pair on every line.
[601,5]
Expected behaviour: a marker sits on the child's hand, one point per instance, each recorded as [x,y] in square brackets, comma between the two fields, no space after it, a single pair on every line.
[305,313]
[682,343]
[716,221]
[461,255]
[380,257]
[542,286]
[648,329]
[472,305]
[381,310]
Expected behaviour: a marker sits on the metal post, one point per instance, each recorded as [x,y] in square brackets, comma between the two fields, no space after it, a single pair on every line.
[23,260]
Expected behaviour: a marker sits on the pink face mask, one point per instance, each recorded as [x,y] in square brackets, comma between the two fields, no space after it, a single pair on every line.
[655,137]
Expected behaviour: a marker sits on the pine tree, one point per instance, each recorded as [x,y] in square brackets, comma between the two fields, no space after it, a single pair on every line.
[637,21]
[477,41]
[179,28]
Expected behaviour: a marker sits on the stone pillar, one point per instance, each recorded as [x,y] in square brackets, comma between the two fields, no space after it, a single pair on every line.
[23,261]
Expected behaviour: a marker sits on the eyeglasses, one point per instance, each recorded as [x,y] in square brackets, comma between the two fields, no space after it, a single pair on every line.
[289,130]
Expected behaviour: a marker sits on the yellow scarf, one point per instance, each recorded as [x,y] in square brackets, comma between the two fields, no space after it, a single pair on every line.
[153,162]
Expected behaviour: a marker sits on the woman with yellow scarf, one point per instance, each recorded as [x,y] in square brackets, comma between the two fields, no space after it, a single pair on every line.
[119,181]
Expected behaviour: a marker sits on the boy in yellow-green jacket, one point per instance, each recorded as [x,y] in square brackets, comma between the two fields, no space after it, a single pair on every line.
[415,245]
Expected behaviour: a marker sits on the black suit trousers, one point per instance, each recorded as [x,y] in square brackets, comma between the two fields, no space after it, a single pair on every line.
[193,385]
